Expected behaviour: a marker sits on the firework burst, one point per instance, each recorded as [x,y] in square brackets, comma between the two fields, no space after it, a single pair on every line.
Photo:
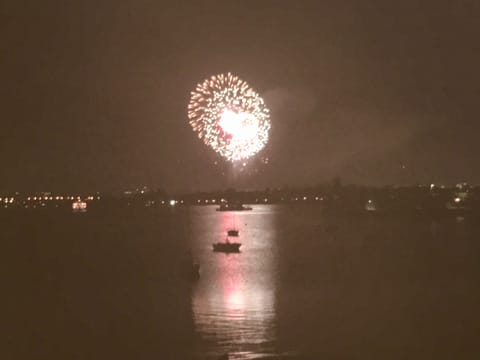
[229,116]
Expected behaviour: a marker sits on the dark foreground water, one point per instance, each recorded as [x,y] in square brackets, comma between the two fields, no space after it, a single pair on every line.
[105,285]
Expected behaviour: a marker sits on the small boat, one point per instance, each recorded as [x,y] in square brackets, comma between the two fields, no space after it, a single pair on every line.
[456,204]
[233,207]
[79,206]
[370,206]
[232,232]
[227,247]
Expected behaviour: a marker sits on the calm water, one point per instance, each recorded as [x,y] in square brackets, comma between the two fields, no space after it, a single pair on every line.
[106,286]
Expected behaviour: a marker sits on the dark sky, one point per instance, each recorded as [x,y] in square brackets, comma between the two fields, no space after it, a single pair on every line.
[94,93]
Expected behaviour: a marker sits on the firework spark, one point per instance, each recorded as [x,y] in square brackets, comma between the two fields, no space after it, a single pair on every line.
[229,116]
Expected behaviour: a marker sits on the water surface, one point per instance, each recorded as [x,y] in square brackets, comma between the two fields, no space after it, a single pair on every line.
[305,285]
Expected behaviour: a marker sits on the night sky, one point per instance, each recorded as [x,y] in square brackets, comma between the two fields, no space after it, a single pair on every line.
[94,93]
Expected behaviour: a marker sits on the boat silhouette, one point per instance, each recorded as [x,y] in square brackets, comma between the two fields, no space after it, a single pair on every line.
[227,247]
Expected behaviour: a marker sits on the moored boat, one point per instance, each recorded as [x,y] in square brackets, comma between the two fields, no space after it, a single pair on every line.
[233,207]
[232,232]
[227,247]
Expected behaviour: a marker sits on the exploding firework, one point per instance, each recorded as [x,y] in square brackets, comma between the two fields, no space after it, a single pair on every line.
[229,116]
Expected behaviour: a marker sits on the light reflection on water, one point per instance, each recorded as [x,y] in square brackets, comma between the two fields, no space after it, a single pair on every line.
[307,284]
[315,286]
[234,302]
